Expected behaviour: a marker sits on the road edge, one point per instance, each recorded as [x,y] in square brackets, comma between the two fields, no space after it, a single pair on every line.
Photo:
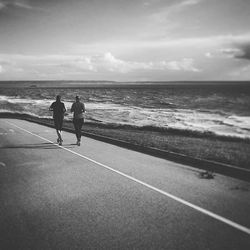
[211,166]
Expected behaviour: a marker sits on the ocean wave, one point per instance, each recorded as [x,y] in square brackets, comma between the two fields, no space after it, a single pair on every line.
[39,102]
[242,122]
[166,116]
[163,103]
[179,129]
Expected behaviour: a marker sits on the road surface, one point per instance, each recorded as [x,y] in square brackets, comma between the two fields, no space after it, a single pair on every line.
[100,196]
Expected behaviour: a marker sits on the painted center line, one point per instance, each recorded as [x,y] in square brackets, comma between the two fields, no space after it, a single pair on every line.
[180,200]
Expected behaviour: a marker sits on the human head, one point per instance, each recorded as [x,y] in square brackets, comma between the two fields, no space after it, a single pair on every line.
[77,98]
[58,98]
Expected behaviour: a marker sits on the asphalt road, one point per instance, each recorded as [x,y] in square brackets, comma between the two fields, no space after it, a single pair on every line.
[100,196]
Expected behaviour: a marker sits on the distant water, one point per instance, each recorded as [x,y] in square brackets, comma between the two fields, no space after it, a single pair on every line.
[219,109]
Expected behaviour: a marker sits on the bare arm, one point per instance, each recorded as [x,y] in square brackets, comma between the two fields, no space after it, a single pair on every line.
[72,108]
[64,109]
[51,107]
[83,108]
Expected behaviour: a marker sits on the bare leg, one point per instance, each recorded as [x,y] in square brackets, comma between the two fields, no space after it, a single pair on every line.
[77,130]
[58,126]
[59,136]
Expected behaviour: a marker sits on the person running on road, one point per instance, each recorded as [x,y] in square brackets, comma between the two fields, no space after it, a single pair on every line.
[78,119]
[58,109]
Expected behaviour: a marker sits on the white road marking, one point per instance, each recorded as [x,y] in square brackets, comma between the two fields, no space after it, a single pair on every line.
[12,130]
[195,207]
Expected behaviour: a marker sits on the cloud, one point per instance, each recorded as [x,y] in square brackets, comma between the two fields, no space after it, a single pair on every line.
[231,52]
[244,51]
[242,72]
[2,5]
[187,3]
[1,69]
[180,6]
[111,63]
[23,4]
[208,43]
[10,66]
[186,64]
[165,18]
[208,55]
[224,46]
[239,48]
[82,63]
[162,14]
[105,62]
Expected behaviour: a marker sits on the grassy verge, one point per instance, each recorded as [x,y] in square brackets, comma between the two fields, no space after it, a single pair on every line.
[230,152]
[220,149]
[225,150]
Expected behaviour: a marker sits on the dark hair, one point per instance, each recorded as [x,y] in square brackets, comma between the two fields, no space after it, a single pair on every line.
[58,98]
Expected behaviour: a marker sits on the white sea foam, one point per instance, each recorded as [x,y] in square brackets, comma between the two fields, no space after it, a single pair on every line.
[242,122]
[187,119]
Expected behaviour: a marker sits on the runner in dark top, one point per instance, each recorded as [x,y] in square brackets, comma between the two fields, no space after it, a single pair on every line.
[78,108]
[58,109]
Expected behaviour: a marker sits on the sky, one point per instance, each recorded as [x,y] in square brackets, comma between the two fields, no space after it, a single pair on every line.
[125,40]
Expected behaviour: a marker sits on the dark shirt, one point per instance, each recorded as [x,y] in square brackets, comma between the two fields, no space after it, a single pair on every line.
[78,108]
[58,109]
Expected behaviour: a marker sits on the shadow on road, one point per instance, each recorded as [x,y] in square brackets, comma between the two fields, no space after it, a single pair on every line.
[45,145]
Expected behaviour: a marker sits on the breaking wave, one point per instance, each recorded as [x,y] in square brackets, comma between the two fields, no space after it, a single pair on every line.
[203,113]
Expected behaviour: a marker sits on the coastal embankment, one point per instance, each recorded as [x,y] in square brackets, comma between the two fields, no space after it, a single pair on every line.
[227,156]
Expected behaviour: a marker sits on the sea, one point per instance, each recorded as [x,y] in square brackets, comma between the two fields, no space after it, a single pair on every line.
[217,108]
